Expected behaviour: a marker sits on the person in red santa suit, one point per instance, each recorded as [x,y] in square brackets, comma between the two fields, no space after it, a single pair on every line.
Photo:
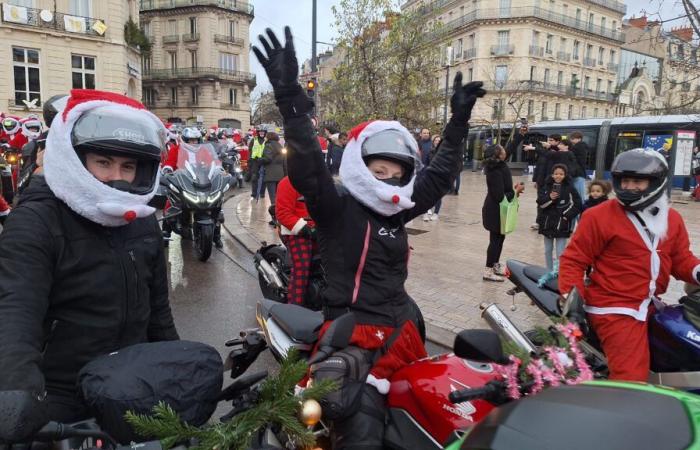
[634,244]
[10,127]
[362,225]
[298,234]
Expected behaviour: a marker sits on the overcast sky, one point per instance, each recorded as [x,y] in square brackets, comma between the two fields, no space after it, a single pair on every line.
[276,14]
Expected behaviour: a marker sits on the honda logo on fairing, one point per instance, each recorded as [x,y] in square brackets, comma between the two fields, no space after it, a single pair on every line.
[130,135]
[693,336]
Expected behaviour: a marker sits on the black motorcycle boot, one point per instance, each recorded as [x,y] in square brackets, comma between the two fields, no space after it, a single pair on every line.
[167,231]
[217,238]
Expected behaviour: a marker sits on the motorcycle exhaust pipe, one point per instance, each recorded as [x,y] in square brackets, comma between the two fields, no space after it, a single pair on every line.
[268,272]
[506,329]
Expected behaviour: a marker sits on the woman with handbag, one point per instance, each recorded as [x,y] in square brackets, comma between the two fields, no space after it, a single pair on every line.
[499,185]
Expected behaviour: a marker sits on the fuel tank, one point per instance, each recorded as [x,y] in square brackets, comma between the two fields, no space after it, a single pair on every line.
[674,342]
[422,390]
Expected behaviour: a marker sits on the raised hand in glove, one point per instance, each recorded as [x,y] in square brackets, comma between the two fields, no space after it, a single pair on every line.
[280,64]
[463,99]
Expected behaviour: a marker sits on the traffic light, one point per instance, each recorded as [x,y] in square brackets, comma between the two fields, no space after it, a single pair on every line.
[311,88]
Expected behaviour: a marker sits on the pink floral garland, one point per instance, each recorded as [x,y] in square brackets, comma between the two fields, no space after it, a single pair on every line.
[541,373]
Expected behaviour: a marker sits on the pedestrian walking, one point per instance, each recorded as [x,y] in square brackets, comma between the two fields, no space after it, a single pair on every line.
[580,151]
[336,146]
[559,203]
[425,145]
[499,185]
[273,162]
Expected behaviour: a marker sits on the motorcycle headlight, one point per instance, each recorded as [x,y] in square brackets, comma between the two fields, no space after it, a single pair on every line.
[190,197]
[214,197]
[238,170]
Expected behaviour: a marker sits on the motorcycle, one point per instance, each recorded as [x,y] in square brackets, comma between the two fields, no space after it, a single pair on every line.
[594,414]
[231,162]
[196,193]
[674,341]
[9,170]
[420,412]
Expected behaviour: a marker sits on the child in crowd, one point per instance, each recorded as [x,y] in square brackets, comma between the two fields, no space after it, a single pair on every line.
[559,205]
[598,192]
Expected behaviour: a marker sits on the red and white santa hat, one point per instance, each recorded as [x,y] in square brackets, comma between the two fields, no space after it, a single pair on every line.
[70,180]
[358,180]
[30,125]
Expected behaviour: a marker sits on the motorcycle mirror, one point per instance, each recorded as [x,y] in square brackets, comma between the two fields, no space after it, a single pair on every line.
[480,346]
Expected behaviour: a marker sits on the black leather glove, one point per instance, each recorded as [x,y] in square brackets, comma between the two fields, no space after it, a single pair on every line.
[463,99]
[308,232]
[23,414]
[282,69]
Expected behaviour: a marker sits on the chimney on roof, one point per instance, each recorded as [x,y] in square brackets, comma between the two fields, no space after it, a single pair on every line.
[638,22]
[684,33]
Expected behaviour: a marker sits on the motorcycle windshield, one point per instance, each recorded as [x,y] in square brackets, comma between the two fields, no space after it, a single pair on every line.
[200,163]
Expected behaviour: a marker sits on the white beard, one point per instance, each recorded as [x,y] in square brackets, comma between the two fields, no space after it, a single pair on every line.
[658,223]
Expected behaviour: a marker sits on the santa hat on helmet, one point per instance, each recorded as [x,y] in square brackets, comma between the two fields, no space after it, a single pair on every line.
[70,180]
[30,125]
[381,197]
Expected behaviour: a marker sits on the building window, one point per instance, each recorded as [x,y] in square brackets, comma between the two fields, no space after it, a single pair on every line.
[194,96]
[173,95]
[193,25]
[458,48]
[560,78]
[577,46]
[83,71]
[193,58]
[25,3]
[544,111]
[578,16]
[583,112]
[557,111]
[546,76]
[231,28]
[497,112]
[570,114]
[598,85]
[232,96]
[562,45]
[548,44]
[80,8]
[607,113]
[530,107]
[172,27]
[149,96]
[501,76]
[601,50]
[589,51]
[535,38]
[612,56]
[587,83]
[614,25]
[471,74]
[610,88]
[595,112]
[228,61]
[25,63]
[503,38]
[591,19]
[146,62]
[173,60]
[602,23]
[533,71]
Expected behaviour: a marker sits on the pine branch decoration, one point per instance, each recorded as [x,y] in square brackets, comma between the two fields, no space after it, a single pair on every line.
[277,406]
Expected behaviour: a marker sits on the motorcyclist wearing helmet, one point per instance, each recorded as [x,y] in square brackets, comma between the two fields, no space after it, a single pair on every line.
[361,224]
[82,267]
[634,244]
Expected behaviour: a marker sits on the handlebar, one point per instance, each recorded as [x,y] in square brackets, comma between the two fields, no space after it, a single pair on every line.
[484,392]
[55,431]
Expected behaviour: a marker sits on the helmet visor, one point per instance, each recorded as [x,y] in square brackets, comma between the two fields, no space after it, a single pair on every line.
[10,125]
[392,145]
[137,135]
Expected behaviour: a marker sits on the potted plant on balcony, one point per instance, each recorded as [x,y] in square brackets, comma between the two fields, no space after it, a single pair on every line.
[135,37]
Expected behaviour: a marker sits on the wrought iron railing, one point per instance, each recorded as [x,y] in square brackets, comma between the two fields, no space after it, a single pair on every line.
[199,72]
[469,53]
[171,39]
[226,39]
[502,50]
[550,88]
[563,56]
[536,50]
[58,22]
[192,37]
[233,5]
[589,62]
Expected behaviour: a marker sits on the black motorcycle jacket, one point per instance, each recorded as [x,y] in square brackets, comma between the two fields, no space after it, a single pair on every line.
[365,254]
[72,290]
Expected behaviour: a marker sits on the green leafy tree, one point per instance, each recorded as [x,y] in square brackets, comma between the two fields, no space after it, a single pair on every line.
[389,66]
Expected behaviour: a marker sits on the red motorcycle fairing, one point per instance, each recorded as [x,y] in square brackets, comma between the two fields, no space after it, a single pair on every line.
[422,389]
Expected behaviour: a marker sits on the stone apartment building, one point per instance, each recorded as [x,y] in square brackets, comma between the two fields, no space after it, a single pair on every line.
[540,59]
[52,46]
[198,70]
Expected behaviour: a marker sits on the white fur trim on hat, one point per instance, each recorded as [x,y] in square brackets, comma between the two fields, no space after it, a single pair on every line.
[71,182]
[363,186]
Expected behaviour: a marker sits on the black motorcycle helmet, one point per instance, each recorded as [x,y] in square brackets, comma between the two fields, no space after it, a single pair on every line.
[639,163]
[52,106]
[391,145]
[104,132]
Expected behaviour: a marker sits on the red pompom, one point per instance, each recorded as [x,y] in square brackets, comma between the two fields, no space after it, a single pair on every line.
[395,199]
[130,216]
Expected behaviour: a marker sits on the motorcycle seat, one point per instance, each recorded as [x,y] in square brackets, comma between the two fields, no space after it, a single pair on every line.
[534,273]
[299,323]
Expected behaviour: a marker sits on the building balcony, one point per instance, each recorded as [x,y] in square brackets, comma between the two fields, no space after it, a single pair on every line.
[534,12]
[563,56]
[64,23]
[547,88]
[225,39]
[469,53]
[192,37]
[231,5]
[193,103]
[171,39]
[233,106]
[502,50]
[589,62]
[173,104]
[213,73]
[536,51]
[612,5]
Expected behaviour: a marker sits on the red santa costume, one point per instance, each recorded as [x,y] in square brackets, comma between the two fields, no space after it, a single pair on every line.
[291,213]
[632,263]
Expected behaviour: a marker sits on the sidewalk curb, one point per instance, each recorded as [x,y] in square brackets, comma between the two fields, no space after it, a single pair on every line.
[240,234]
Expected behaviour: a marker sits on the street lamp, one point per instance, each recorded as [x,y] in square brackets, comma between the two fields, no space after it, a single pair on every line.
[448,61]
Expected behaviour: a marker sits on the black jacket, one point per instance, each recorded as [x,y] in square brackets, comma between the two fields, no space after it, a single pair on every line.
[334,157]
[365,254]
[72,290]
[554,157]
[580,151]
[556,217]
[591,202]
[540,159]
[499,184]
[273,160]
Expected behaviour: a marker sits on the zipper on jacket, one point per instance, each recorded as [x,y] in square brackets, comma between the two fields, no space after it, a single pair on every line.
[361,265]
[126,303]
[136,272]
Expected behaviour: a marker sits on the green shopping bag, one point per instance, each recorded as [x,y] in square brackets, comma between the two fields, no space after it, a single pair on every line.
[509,214]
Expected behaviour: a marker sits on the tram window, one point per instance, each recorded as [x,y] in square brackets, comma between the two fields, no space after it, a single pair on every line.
[628,140]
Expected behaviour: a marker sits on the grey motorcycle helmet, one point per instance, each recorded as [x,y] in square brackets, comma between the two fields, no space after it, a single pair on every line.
[392,145]
[639,163]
